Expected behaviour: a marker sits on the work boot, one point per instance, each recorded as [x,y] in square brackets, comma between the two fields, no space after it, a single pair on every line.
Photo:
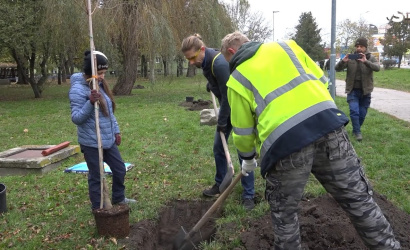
[358,136]
[248,203]
[212,192]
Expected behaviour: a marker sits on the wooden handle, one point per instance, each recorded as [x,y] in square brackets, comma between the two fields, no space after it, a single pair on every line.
[225,145]
[214,206]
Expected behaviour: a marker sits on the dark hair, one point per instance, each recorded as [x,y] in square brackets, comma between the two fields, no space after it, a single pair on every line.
[194,41]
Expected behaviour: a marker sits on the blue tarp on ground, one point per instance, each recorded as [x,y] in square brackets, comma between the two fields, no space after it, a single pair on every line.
[83,169]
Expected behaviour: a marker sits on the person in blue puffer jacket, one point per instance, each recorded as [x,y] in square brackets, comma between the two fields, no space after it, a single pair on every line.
[82,99]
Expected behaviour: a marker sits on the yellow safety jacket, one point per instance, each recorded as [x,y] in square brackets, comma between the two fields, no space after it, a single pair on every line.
[279,101]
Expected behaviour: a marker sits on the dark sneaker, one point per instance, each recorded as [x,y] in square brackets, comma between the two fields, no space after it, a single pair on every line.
[358,136]
[212,192]
[248,204]
[125,201]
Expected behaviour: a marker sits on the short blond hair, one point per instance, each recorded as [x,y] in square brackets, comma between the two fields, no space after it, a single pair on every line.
[193,41]
[233,40]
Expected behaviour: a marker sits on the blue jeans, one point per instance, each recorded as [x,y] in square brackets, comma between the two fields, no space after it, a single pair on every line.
[221,166]
[358,105]
[113,158]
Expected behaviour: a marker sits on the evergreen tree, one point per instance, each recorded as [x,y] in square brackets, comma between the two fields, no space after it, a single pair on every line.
[396,41]
[307,36]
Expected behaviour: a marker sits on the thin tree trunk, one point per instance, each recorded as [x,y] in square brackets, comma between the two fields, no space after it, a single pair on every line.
[191,71]
[152,67]
[166,68]
[59,75]
[144,66]
[180,66]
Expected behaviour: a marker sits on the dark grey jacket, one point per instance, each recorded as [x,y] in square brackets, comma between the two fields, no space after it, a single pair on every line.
[366,68]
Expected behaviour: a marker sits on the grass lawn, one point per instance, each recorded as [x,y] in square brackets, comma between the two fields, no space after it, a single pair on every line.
[173,159]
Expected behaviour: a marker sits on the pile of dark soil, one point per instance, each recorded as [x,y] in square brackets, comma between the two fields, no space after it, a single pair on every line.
[196,105]
[324,225]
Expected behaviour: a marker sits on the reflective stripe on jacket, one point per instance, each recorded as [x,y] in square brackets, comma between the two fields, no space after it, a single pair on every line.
[280,102]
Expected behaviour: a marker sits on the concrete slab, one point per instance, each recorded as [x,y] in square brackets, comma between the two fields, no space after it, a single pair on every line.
[28,159]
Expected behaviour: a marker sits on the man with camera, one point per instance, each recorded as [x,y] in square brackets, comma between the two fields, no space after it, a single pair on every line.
[359,83]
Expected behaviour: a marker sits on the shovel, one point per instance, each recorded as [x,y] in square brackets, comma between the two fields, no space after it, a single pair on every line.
[230,171]
[188,241]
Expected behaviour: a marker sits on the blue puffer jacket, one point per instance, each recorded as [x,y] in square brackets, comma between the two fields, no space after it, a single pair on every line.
[83,115]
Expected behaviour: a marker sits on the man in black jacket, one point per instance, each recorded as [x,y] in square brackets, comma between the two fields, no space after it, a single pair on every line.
[216,70]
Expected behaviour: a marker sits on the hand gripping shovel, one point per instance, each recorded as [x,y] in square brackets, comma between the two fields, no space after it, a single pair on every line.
[230,171]
[188,241]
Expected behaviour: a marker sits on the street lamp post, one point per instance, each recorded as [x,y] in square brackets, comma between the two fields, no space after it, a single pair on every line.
[273,22]
[332,75]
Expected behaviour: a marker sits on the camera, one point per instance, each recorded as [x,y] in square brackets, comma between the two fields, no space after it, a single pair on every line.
[354,56]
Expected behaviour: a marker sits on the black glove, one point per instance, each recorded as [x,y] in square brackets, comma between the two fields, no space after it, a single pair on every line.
[94,96]
[208,87]
[221,128]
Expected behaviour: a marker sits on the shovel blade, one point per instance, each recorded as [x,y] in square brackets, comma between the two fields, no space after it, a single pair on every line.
[183,241]
[227,180]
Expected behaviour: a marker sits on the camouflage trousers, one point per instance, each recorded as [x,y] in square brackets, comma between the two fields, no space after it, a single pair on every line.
[333,161]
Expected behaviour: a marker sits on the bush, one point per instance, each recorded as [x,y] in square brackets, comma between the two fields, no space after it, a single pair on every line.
[387,64]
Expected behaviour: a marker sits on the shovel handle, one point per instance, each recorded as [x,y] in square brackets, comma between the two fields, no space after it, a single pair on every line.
[225,145]
[214,206]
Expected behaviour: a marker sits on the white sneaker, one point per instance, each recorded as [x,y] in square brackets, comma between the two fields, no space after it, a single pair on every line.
[127,201]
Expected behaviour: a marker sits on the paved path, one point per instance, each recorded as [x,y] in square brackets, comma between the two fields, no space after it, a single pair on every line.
[393,102]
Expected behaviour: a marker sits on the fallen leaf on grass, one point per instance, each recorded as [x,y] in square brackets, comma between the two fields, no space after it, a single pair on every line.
[113,240]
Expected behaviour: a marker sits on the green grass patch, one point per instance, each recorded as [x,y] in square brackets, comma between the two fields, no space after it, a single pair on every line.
[173,159]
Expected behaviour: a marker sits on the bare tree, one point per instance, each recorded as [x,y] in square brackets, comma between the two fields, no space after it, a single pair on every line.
[348,32]
[122,24]
[66,21]
[252,24]
[208,18]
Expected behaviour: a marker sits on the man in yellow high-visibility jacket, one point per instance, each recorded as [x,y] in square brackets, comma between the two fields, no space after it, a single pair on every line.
[282,111]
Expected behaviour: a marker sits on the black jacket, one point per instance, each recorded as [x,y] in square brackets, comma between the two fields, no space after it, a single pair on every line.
[217,75]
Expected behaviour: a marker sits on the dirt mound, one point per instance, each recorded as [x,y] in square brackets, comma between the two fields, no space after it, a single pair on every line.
[324,225]
[196,105]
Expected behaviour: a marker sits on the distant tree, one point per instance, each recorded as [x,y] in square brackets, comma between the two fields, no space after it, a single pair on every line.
[25,35]
[208,18]
[252,24]
[348,32]
[396,41]
[67,19]
[308,37]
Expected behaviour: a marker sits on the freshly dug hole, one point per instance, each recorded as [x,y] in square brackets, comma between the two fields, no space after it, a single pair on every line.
[160,235]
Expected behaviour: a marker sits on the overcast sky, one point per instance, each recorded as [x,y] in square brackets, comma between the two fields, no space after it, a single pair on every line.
[374,12]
